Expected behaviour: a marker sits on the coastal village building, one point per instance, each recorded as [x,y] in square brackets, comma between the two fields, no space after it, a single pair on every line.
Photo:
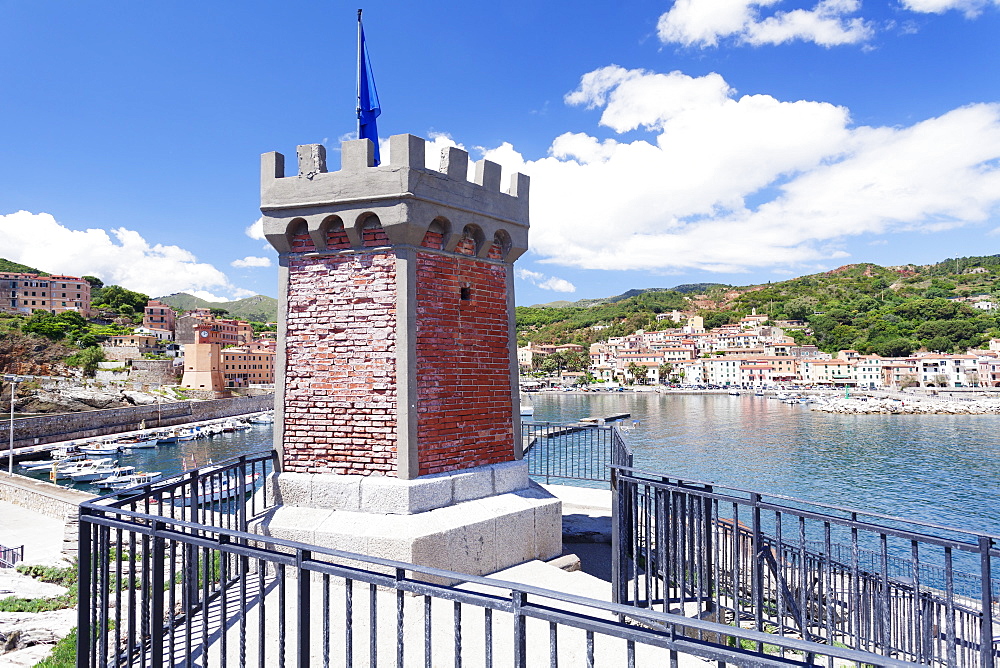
[24,293]
[159,316]
[200,326]
[246,366]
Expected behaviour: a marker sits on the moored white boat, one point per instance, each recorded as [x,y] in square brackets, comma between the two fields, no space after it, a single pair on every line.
[46,464]
[214,489]
[100,472]
[64,472]
[99,448]
[262,418]
[133,479]
[139,442]
[177,435]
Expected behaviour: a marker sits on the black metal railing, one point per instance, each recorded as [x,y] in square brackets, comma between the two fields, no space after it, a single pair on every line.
[9,556]
[574,453]
[194,588]
[792,568]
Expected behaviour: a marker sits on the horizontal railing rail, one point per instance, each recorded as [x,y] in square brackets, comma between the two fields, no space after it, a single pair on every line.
[913,590]
[574,453]
[9,556]
[157,590]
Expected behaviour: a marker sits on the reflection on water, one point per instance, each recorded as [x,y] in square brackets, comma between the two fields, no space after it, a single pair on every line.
[935,468]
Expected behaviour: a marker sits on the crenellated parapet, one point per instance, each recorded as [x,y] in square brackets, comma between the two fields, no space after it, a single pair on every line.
[399,202]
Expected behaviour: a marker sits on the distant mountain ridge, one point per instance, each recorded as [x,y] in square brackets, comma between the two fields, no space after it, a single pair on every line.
[686,288]
[259,308]
[16,268]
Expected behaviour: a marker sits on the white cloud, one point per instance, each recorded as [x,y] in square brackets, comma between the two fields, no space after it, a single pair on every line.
[703,23]
[727,183]
[545,282]
[971,8]
[256,230]
[251,261]
[122,257]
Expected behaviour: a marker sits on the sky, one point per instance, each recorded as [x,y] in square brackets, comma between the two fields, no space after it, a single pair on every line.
[730,141]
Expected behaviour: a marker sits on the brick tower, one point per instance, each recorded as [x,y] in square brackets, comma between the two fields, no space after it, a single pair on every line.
[396,369]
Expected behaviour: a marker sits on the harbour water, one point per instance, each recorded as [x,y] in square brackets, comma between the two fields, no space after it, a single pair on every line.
[173,458]
[943,469]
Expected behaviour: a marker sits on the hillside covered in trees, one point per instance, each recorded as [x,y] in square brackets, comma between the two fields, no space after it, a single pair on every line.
[889,311]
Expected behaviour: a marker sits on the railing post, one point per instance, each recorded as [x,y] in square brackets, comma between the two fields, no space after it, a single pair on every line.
[986,571]
[303,609]
[84,561]
[757,583]
[619,587]
[710,557]
[520,630]
[156,631]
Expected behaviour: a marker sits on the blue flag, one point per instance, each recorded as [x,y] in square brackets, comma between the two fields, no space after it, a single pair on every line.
[368,105]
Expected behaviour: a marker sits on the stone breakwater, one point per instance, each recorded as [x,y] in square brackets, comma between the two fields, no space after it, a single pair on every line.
[864,406]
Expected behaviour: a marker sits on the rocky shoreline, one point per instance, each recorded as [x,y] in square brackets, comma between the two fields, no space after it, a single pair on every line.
[908,406]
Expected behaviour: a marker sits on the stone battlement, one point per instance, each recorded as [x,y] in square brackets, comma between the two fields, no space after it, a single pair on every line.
[400,196]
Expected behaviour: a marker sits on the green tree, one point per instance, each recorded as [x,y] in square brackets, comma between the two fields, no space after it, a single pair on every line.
[219,312]
[895,347]
[88,359]
[638,373]
[95,282]
[115,296]
[665,370]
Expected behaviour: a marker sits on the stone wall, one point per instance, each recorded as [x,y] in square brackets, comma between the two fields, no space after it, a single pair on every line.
[340,373]
[153,372]
[86,424]
[464,399]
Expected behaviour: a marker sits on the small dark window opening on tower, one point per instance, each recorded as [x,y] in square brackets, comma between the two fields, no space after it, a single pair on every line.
[466,293]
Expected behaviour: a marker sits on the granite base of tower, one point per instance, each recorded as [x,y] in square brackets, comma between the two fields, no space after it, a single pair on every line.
[475,521]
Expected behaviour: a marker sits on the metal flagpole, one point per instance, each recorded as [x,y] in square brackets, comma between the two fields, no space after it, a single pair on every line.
[360,56]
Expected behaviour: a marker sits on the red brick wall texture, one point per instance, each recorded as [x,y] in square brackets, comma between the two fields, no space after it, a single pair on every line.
[340,382]
[340,372]
[463,364]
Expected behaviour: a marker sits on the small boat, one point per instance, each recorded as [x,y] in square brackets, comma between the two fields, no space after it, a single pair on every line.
[119,482]
[99,448]
[101,472]
[527,408]
[139,442]
[734,393]
[212,489]
[63,472]
[262,418]
[178,435]
[45,464]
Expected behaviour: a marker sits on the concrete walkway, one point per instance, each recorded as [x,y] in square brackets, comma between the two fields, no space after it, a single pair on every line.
[41,536]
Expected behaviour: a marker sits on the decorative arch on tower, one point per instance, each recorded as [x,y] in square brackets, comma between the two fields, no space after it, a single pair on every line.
[370,232]
[437,233]
[332,231]
[501,245]
[471,241]
[298,236]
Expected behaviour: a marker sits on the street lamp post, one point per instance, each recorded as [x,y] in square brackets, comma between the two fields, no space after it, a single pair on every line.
[13,380]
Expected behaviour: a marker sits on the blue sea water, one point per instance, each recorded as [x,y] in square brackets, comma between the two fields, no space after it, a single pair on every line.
[943,469]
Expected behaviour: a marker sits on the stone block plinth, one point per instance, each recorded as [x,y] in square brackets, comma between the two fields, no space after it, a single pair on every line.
[476,521]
